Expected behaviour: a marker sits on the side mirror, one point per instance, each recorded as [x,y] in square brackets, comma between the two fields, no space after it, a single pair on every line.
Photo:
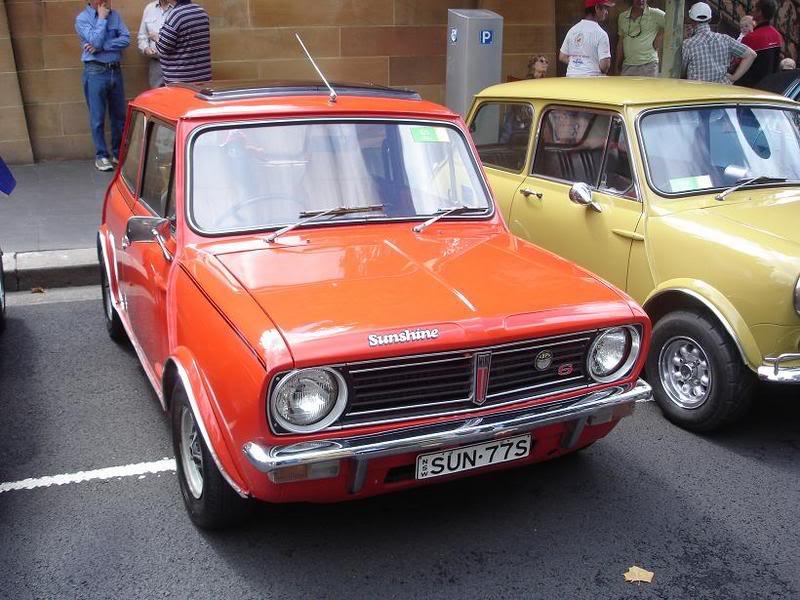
[148,229]
[581,193]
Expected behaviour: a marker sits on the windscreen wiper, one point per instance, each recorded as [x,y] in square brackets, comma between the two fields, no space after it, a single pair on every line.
[446,212]
[750,181]
[308,216]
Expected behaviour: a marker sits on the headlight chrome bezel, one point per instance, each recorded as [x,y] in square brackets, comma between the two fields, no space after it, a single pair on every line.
[331,417]
[635,345]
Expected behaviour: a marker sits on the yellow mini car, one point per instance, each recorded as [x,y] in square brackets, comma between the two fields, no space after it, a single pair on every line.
[687,195]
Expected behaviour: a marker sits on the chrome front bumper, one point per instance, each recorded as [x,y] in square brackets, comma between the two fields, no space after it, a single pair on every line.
[592,409]
[773,371]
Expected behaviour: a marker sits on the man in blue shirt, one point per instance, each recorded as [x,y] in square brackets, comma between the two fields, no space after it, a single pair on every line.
[103,36]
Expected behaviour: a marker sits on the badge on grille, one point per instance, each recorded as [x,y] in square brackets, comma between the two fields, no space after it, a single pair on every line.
[483,361]
[543,360]
[565,370]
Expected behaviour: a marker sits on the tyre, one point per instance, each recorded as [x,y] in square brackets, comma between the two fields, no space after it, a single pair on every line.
[2,296]
[113,323]
[209,499]
[697,374]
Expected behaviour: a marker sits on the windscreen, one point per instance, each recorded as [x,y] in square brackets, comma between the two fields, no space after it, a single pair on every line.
[708,148]
[268,176]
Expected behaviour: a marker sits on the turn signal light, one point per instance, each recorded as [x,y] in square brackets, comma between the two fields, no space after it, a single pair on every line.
[322,470]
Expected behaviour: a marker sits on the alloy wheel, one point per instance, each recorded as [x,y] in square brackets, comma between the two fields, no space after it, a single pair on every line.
[191,453]
[685,372]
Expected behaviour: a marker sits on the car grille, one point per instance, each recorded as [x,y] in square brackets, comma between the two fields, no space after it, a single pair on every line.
[428,385]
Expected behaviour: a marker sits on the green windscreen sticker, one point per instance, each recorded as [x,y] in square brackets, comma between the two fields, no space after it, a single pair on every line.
[425,135]
[687,184]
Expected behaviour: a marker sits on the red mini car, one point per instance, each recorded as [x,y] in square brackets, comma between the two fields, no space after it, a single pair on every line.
[329,306]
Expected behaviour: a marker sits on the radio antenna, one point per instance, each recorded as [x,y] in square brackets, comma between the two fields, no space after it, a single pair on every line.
[313,64]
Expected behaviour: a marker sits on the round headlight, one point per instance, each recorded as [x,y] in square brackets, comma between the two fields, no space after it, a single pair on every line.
[309,400]
[613,353]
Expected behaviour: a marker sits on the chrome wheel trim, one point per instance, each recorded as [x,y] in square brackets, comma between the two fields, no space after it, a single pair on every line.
[191,453]
[106,289]
[685,372]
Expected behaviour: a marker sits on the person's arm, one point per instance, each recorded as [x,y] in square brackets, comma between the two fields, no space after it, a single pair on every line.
[684,60]
[620,45]
[563,53]
[658,44]
[142,40]
[123,40]
[747,62]
[604,54]
[167,40]
[92,34]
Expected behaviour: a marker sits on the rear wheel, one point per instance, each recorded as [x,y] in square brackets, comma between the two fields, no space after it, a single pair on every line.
[209,499]
[696,372]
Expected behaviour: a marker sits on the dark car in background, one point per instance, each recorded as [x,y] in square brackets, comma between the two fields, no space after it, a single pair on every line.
[785,83]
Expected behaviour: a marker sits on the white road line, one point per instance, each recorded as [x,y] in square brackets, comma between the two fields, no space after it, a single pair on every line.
[159,466]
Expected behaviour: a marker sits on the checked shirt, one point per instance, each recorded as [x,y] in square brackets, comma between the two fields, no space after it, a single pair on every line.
[707,55]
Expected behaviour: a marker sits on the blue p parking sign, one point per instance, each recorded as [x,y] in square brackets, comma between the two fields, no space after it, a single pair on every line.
[487,36]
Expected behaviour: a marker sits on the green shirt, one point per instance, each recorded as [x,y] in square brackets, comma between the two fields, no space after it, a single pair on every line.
[639,34]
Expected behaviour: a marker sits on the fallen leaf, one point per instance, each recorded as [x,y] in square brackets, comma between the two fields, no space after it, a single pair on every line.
[37,290]
[638,574]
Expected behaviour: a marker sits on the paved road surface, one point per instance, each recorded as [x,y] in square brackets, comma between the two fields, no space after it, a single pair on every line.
[713,517]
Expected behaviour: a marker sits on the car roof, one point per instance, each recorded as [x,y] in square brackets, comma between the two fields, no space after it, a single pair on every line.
[278,99]
[623,91]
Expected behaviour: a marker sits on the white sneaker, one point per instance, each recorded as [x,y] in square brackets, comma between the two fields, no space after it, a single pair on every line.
[103,164]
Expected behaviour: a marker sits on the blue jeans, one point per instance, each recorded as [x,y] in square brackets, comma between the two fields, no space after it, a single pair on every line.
[104,90]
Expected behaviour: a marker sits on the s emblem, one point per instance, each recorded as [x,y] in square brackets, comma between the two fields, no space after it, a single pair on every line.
[543,360]
[565,370]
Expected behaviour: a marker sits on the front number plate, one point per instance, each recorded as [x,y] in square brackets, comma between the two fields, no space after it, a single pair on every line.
[466,458]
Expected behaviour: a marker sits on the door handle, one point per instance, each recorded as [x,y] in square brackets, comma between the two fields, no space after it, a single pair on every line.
[528,192]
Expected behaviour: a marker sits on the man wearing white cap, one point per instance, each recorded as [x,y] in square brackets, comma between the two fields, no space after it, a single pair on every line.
[707,55]
[586,49]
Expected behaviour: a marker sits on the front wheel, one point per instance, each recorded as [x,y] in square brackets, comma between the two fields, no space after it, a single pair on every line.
[209,499]
[696,372]
[116,331]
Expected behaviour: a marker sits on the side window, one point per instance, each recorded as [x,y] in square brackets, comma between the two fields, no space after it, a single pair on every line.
[158,167]
[571,145]
[501,132]
[133,153]
[617,175]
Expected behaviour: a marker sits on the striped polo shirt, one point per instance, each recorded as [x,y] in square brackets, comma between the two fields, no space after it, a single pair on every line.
[184,44]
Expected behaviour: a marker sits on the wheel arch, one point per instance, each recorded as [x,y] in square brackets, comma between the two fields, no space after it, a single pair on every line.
[181,368]
[690,294]
[105,246]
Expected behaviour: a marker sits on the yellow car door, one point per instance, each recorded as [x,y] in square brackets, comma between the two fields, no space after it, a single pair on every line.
[501,131]
[597,227]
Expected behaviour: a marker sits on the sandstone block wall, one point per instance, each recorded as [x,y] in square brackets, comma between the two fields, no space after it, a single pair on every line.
[15,145]
[389,42]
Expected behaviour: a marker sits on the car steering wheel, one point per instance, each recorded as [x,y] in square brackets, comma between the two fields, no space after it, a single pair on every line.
[233,216]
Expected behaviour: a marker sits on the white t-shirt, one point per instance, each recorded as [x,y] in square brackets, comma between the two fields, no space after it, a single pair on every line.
[586,45]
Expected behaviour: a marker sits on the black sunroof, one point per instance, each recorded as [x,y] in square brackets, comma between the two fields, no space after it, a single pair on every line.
[217,91]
